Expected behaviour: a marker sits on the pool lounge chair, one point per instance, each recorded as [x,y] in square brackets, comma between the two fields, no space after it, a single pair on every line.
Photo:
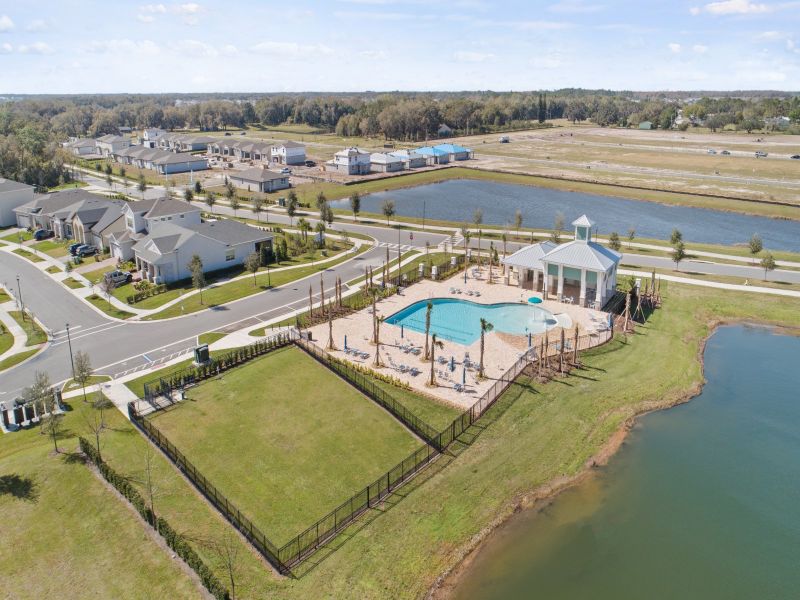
[414,371]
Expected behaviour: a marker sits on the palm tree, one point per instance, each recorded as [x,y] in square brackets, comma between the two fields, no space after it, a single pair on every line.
[428,309]
[378,321]
[434,344]
[477,219]
[485,327]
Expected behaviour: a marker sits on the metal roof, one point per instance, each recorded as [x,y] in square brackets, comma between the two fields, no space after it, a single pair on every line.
[583,221]
[529,257]
[583,255]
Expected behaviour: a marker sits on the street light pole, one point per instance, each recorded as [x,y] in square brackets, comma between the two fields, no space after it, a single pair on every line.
[21,302]
[69,343]
[423,213]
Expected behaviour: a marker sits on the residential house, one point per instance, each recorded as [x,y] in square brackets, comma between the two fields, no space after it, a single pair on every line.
[352,161]
[411,159]
[444,130]
[81,146]
[645,125]
[125,130]
[163,161]
[95,221]
[289,153]
[434,155]
[164,254]
[145,216]
[12,195]
[108,145]
[455,152]
[150,136]
[259,179]
[385,163]
[180,142]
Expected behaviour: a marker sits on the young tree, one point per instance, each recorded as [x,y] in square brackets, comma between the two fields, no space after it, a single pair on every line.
[211,200]
[321,201]
[613,241]
[94,423]
[558,227]
[83,370]
[257,206]
[109,182]
[477,220]
[355,204]
[434,344]
[188,195]
[756,245]
[107,286]
[328,215]
[428,310]
[675,237]
[291,206]
[142,185]
[53,424]
[631,236]
[198,187]
[226,549]
[518,220]
[678,253]
[485,328]
[149,481]
[198,276]
[388,210]
[252,263]
[767,263]
[304,227]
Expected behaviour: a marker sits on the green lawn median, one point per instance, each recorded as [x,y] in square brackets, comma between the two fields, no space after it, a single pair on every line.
[27,254]
[108,308]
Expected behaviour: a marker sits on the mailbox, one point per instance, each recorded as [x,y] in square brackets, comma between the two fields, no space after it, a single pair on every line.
[201,355]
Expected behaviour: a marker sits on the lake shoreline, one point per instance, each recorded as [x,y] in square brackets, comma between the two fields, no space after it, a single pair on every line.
[541,496]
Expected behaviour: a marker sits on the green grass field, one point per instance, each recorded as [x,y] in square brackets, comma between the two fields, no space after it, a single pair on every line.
[72,385]
[36,334]
[108,308]
[53,270]
[6,339]
[67,535]
[51,247]
[96,276]
[14,237]
[27,254]
[285,439]
[72,283]
[4,297]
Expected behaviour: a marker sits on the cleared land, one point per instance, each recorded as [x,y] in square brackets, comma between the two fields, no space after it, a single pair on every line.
[285,439]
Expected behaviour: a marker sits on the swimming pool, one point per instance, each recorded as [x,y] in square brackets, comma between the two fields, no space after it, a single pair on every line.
[459,320]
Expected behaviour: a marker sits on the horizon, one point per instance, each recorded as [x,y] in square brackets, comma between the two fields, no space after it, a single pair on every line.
[351,46]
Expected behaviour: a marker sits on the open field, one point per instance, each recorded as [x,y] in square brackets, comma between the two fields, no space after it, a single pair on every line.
[285,439]
[66,534]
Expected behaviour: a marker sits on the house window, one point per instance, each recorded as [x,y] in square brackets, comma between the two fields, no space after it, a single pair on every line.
[230,255]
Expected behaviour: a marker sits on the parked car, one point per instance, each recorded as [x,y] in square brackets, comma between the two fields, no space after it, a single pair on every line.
[286,170]
[310,163]
[42,234]
[761,154]
[73,248]
[725,153]
[85,250]
[504,139]
[712,151]
[795,157]
[118,277]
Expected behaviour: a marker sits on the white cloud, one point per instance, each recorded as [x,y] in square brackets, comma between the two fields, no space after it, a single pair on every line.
[190,8]
[792,46]
[154,8]
[6,48]
[699,49]
[6,24]
[37,25]
[575,7]
[124,46]
[539,25]
[291,49]
[374,54]
[145,18]
[194,48]
[35,48]
[546,62]
[732,7]
[674,48]
[467,56]
[770,35]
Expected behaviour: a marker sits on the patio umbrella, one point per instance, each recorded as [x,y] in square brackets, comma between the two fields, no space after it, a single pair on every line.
[452,363]
[345,342]
[529,339]
[464,376]
[402,330]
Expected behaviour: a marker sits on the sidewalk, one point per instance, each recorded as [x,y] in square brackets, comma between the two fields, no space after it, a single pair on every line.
[20,337]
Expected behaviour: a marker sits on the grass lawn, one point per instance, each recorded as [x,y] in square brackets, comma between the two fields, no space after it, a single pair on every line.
[210,337]
[14,237]
[52,248]
[6,339]
[53,270]
[29,255]
[108,308]
[533,434]
[36,334]
[4,297]
[122,292]
[73,385]
[72,283]
[285,439]
[17,358]
[96,276]
[69,186]
[244,287]
[67,535]
[435,413]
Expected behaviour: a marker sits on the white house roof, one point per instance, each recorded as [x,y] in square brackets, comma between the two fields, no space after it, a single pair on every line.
[529,257]
[384,159]
[583,221]
[583,255]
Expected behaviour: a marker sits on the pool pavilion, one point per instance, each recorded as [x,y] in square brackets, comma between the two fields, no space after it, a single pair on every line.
[580,272]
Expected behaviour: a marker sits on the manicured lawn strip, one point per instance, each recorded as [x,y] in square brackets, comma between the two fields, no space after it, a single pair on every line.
[53,270]
[17,358]
[14,237]
[435,413]
[107,308]
[69,186]
[51,247]
[72,283]
[73,385]
[210,337]
[67,535]
[6,339]
[755,281]
[122,292]
[137,385]
[36,334]
[242,288]
[29,255]
[96,276]
[285,439]
[4,297]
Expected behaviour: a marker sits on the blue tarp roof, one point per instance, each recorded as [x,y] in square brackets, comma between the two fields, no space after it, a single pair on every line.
[452,148]
[432,151]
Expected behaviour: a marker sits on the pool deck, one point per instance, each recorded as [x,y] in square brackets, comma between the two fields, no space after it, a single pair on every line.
[502,349]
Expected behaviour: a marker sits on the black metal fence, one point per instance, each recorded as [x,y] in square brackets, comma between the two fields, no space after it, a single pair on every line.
[166,386]
[366,385]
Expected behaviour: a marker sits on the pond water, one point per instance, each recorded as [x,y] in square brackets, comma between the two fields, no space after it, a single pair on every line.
[703,501]
[456,200]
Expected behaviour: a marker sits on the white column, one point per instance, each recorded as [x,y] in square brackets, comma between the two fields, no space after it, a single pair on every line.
[560,292]
[582,300]
[601,289]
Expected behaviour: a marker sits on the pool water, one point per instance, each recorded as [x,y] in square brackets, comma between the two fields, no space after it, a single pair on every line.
[459,320]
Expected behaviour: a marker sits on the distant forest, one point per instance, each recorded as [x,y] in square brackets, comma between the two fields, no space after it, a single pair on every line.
[32,126]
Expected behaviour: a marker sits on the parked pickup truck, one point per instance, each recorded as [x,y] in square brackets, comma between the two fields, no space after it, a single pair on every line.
[118,277]
[85,250]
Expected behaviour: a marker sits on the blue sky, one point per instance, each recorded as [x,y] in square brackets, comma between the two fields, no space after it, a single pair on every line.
[75,46]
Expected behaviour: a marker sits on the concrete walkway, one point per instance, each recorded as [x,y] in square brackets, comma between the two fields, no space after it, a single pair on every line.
[20,337]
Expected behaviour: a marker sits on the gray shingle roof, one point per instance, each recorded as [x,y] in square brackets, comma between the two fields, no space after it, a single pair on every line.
[257,174]
[230,232]
[163,207]
[172,158]
[9,185]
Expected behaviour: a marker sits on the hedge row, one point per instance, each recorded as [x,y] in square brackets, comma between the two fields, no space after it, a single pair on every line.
[174,540]
[148,292]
